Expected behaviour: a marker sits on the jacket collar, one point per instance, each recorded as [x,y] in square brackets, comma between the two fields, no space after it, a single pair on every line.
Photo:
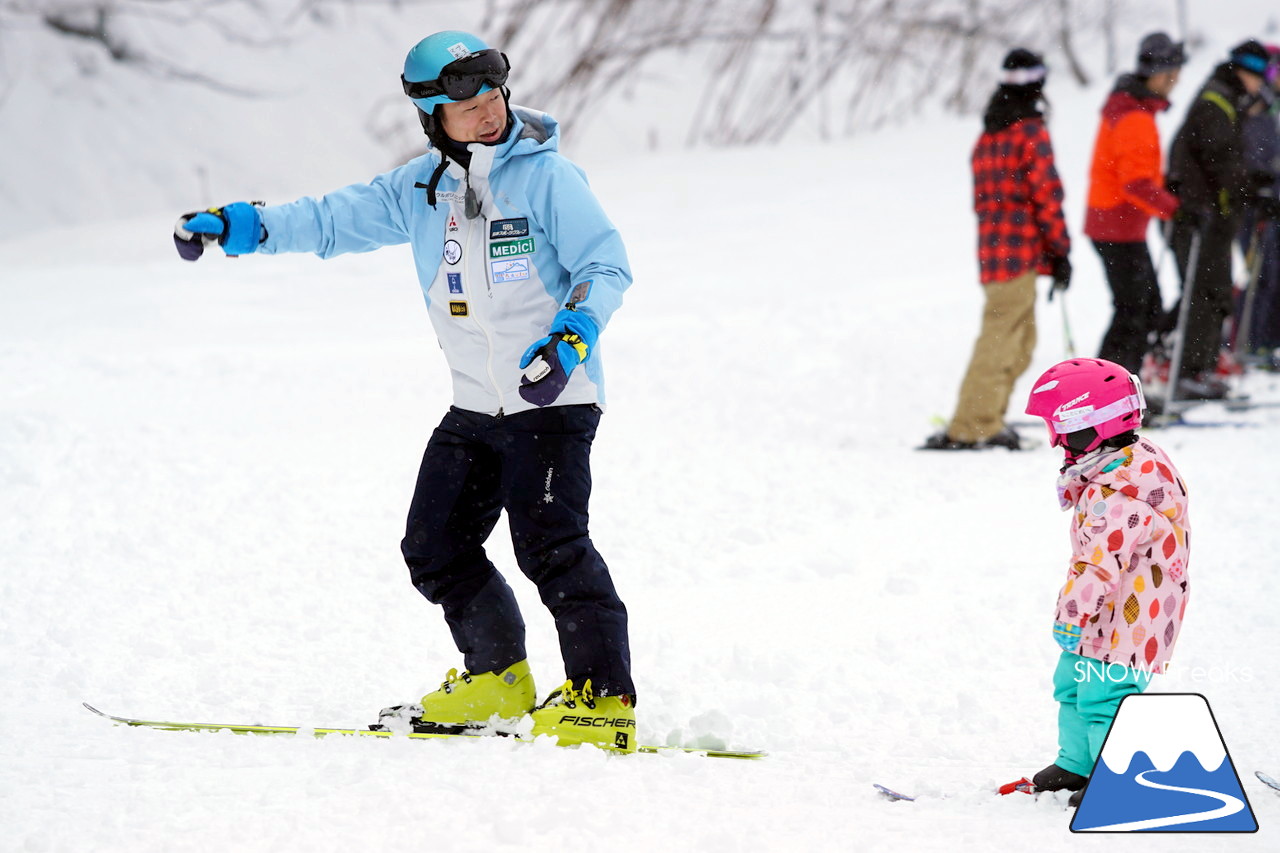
[1076,477]
[530,131]
[1134,89]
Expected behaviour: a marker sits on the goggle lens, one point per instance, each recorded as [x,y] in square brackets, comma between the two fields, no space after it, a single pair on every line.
[463,78]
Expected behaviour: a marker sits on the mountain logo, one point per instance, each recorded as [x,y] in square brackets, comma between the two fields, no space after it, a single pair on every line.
[1164,767]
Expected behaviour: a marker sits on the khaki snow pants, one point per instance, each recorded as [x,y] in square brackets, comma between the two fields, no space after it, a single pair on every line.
[1000,355]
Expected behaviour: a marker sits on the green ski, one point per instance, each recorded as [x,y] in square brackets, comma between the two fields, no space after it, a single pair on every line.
[252,729]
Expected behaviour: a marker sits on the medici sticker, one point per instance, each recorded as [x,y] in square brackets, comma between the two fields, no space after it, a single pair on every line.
[511,248]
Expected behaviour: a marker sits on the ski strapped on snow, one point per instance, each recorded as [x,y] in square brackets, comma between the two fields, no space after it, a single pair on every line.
[1022,786]
[253,729]
[891,794]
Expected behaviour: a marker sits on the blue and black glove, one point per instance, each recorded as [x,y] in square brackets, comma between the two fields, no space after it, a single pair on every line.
[1067,636]
[237,228]
[548,362]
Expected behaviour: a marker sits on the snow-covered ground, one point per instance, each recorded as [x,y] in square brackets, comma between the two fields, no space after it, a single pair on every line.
[204,471]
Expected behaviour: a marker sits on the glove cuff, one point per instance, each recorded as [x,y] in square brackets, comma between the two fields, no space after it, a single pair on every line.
[570,322]
[244,228]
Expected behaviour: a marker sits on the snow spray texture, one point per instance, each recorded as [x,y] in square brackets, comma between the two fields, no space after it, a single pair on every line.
[1164,767]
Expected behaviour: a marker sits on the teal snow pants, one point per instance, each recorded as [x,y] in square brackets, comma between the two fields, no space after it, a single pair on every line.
[1088,693]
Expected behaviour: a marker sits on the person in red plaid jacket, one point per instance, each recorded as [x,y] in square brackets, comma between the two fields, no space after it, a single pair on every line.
[1021,234]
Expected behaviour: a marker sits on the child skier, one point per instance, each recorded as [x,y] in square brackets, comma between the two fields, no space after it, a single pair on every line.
[1119,614]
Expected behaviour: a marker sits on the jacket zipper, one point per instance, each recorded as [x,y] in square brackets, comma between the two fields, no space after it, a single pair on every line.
[488,286]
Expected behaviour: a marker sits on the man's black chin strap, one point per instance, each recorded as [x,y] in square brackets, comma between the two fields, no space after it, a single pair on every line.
[457,151]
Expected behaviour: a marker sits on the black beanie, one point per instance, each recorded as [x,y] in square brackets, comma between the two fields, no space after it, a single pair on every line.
[1159,53]
[1022,68]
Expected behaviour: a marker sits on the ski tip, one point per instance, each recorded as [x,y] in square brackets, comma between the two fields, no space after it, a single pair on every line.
[1022,786]
[1269,781]
[892,794]
[93,709]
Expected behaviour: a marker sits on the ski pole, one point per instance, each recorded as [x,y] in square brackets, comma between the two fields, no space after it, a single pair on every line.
[1180,331]
[1066,327]
[1166,252]
[1241,338]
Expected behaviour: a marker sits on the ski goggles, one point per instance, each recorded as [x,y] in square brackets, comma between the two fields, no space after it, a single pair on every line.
[463,78]
[1074,420]
[1251,62]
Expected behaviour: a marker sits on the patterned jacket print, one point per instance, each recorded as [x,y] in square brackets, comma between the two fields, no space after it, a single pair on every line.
[1018,199]
[1127,586]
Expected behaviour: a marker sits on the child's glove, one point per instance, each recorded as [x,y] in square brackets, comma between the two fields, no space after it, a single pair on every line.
[550,360]
[237,228]
[1067,636]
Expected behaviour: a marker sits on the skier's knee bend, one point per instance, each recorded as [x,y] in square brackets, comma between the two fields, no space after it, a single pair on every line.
[548,563]
[438,576]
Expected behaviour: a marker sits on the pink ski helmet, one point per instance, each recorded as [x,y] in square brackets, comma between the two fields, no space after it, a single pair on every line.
[1087,394]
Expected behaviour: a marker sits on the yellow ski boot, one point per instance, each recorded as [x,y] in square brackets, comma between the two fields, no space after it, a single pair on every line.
[578,716]
[470,700]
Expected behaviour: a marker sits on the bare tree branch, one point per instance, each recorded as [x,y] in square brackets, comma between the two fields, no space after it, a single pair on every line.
[754,66]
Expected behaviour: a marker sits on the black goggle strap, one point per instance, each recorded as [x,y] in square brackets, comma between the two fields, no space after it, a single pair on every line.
[435,181]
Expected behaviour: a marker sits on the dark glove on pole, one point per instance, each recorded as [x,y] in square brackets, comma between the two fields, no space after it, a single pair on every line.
[1060,269]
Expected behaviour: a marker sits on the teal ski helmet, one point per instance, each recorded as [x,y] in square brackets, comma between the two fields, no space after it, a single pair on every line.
[451,66]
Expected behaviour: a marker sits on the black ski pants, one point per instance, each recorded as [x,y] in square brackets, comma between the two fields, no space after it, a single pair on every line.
[1210,290]
[1135,298]
[536,466]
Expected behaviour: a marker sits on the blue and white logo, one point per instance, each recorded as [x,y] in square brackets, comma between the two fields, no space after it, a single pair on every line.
[515,269]
[455,282]
[1164,768]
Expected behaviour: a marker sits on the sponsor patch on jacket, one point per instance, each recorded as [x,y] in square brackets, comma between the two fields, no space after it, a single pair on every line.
[455,281]
[453,222]
[458,309]
[514,269]
[509,248]
[452,251]
[505,229]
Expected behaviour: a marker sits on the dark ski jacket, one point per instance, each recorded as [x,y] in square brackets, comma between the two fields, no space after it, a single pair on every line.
[1206,164]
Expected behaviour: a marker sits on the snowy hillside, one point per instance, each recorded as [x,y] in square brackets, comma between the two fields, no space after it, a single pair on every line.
[204,472]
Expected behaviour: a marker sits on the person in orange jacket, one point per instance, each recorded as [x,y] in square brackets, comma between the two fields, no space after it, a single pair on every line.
[1126,189]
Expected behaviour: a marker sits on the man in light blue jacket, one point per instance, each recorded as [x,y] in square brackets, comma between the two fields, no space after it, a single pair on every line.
[521,270]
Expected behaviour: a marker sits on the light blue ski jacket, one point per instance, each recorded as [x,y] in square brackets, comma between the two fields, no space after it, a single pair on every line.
[492,283]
